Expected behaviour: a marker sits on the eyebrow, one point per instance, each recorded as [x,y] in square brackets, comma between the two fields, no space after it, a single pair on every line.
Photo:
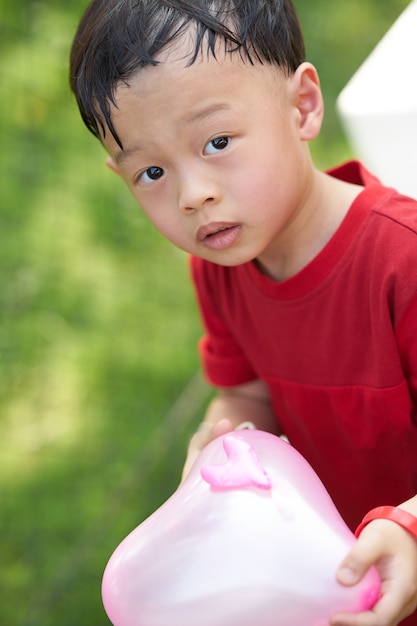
[122,155]
[192,118]
[206,111]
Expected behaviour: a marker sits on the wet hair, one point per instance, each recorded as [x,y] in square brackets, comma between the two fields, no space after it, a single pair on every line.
[115,38]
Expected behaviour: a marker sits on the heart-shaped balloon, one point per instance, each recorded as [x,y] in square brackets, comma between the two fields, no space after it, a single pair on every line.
[250,537]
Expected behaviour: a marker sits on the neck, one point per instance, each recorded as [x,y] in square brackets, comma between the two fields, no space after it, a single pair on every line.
[329,200]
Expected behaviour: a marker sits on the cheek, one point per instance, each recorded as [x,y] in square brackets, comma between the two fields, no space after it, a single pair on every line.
[167,224]
[255,182]
[157,211]
[277,166]
[160,220]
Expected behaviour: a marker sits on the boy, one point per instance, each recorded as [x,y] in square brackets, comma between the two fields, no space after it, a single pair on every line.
[306,281]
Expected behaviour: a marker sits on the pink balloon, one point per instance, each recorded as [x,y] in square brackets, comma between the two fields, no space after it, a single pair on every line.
[250,537]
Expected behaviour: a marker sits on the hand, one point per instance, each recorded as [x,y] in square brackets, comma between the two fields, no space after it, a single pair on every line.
[393,551]
[231,408]
[206,433]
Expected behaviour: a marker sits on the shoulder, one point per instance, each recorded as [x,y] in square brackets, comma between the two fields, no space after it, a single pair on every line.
[390,234]
[399,210]
[391,208]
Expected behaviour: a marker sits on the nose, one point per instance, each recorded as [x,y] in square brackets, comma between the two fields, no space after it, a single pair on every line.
[198,190]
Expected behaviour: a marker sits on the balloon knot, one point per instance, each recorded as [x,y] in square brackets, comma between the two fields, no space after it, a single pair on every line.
[241,469]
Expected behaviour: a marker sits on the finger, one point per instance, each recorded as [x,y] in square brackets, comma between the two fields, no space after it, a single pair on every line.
[206,432]
[222,427]
[365,552]
[361,619]
[397,593]
[386,612]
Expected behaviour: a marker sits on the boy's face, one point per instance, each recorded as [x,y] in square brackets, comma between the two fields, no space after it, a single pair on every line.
[215,153]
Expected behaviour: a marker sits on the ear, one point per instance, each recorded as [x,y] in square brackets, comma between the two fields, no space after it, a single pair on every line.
[308,100]
[112,165]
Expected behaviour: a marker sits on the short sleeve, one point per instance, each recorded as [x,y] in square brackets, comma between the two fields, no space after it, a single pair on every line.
[224,363]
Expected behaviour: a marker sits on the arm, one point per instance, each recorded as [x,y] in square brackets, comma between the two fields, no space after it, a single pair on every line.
[393,551]
[384,543]
[230,408]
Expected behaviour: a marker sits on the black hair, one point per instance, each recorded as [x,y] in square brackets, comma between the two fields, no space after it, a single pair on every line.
[115,38]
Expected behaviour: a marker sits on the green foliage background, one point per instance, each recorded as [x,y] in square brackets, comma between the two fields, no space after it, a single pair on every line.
[99,389]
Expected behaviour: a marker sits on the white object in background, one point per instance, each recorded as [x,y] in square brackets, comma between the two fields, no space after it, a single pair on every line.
[378,106]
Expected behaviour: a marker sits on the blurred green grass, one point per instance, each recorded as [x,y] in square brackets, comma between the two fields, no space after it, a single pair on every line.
[99,389]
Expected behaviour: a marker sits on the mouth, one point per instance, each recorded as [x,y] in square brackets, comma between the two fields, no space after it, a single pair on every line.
[218,235]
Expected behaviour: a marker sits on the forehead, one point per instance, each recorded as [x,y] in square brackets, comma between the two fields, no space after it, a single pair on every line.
[175,91]
[175,77]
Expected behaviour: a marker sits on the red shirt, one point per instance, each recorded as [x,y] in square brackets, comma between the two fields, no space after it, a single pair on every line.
[336,344]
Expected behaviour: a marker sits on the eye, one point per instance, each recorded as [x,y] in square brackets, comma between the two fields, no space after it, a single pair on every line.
[216,144]
[151,174]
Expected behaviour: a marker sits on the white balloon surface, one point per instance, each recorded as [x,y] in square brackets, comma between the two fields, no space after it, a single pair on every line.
[250,537]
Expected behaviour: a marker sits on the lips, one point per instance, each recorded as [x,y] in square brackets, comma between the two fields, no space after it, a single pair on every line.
[218,235]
